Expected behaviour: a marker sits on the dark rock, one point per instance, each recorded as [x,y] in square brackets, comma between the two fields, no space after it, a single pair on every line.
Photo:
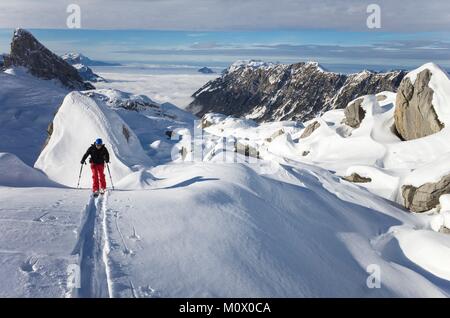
[205,123]
[126,132]
[415,116]
[169,133]
[425,197]
[274,92]
[28,52]
[354,113]
[356,178]
[310,129]
[206,70]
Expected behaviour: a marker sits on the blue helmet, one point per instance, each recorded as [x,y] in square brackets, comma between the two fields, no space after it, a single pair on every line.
[99,141]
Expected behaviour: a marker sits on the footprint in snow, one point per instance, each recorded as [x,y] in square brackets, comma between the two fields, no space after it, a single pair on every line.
[147,291]
[127,251]
[40,218]
[30,265]
[134,236]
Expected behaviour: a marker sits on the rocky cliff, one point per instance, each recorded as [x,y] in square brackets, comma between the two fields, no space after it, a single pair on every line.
[273,92]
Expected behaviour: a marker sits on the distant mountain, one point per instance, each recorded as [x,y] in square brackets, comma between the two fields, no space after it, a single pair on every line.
[78,58]
[87,74]
[272,92]
[28,52]
[206,70]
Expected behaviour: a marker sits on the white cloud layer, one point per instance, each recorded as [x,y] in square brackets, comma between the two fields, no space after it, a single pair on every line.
[402,15]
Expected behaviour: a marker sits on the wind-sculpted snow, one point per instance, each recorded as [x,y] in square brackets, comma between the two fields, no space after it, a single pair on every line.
[78,122]
[228,230]
[15,173]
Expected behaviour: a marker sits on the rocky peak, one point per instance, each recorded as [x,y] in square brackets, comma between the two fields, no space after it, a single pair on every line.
[28,52]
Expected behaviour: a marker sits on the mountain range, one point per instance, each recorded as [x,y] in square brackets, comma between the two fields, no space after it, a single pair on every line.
[273,92]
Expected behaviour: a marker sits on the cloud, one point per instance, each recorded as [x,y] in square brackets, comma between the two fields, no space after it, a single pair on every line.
[390,50]
[205,45]
[199,15]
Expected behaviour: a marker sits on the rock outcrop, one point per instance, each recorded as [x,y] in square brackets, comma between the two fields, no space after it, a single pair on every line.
[415,116]
[310,129]
[354,113]
[273,92]
[356,178]
[276,134]
[28,52]
[425,197]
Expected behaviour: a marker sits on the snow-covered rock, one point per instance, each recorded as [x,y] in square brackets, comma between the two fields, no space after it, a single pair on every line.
[78,122]
[118,99]
[87,74]
[77,58]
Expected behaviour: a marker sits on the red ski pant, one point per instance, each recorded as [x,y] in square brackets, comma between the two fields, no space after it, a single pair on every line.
[98,176]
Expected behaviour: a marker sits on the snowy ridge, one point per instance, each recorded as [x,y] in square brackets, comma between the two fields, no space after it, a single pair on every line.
[78,122]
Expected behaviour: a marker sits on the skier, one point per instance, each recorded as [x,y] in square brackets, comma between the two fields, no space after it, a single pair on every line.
[99,155]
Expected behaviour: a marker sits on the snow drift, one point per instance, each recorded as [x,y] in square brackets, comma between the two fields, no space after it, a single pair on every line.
[78,122]
[15,173]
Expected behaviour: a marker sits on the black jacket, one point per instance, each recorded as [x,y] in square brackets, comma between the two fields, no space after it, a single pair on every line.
[98,156]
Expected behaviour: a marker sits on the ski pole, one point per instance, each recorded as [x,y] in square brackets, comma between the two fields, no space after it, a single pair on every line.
[109,172]
[79,177]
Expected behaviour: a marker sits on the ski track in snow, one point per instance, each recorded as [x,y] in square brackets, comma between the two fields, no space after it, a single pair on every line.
[93,249]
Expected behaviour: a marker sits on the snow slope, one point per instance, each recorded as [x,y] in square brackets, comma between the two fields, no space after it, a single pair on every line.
[300,232]
[15,173]
[38,231]
[27,107]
